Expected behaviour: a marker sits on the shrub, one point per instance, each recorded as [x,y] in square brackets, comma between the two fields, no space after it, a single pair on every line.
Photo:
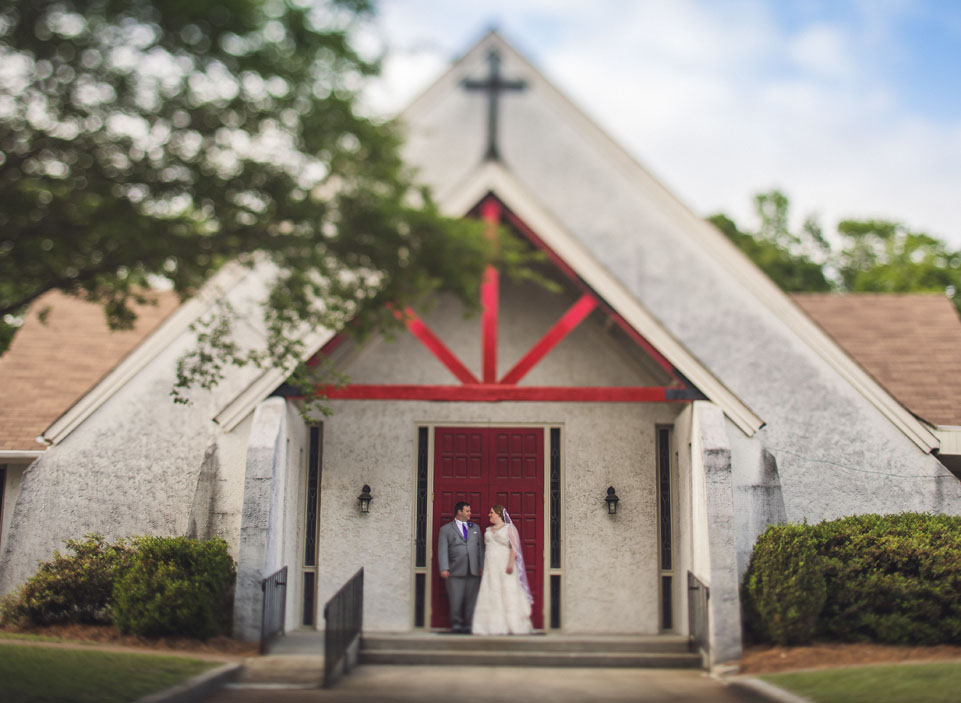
[892,578]
[72,588]
[784,587]
[176,586]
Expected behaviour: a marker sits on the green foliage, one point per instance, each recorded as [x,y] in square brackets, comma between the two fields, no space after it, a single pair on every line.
[893,579]
[165,138]
[886,257]
[70,588]
[792,272]
[870,255]
[176,586]
[784,587]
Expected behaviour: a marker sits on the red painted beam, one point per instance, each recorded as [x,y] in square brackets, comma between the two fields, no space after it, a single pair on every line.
[490,297]
[569,320]
[658,358]
[430,340]
[497,393]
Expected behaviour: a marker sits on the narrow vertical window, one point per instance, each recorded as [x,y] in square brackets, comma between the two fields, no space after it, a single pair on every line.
[314,461]
[555,498]
[313,474]
[555,601]
[420,598]
[664,527]
[554,505]
[421,543]
[664,495]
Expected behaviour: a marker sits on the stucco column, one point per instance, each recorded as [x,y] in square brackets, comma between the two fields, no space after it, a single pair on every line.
[259,528]
[724,606]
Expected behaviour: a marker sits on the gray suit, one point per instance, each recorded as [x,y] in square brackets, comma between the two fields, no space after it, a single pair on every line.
[464,559]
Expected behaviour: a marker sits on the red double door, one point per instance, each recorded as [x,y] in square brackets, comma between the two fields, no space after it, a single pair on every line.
[485,466]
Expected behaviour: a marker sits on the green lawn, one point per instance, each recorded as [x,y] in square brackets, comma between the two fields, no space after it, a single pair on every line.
[903,683]
[49,674]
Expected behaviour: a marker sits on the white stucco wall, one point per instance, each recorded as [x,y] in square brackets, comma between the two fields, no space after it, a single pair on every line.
[229,496]
[724,605]
[297,450]
[10,492]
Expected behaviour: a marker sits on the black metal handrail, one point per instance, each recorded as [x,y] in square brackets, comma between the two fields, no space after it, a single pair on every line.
[698,595]
[274,609]
[343,621]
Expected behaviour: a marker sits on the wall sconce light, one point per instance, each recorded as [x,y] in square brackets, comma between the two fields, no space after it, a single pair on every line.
[612,501]
[364,499]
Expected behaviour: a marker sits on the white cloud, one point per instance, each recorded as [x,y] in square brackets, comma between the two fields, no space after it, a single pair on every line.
[822,50]
[719,99]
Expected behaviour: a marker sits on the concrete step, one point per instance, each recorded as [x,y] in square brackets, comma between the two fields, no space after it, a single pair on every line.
[447,657]
[296,670]
[570,644]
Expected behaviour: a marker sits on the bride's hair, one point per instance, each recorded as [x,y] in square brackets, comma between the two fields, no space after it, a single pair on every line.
[499,509]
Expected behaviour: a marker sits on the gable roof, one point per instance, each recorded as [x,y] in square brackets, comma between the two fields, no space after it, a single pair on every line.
[49,367]
[631,222]
[493,178]
[909,343]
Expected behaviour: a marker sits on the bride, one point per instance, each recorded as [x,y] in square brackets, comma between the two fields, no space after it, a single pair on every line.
[504,599]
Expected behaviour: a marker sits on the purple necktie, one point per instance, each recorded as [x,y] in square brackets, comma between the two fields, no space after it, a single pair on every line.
[464,525]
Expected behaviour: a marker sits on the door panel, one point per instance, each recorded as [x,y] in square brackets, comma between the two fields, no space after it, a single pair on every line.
[484,466]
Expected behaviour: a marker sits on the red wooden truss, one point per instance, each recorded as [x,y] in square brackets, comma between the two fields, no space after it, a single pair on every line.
[488,388]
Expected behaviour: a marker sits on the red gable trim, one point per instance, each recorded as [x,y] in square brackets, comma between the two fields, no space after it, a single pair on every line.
[484,392]
[490,298]
[490,390]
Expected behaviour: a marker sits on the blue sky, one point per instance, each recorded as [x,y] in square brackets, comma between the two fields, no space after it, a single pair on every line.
[852,107]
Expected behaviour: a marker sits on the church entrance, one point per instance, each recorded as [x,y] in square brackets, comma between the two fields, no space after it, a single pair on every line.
[485,466]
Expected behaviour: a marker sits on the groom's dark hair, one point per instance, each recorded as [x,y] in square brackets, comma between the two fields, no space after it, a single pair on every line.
[460,506]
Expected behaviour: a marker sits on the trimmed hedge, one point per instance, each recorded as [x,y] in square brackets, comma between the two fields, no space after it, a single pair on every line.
[153,586]
[784,585]
[176,586]
[888,578]
[70,588]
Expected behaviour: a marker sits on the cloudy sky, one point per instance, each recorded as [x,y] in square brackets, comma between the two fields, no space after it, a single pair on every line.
[851,107]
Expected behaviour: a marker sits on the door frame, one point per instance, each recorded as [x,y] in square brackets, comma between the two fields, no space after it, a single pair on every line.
[546,571]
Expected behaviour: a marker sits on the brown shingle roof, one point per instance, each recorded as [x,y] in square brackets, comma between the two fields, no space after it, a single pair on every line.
[50,367]
[910,343]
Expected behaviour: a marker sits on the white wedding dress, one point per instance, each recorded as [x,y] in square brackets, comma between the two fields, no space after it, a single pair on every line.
[502,607]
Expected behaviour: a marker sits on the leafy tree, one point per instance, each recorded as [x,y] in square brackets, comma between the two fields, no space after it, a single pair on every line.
[786,258]
[886,257]
[870,255]
[146,138]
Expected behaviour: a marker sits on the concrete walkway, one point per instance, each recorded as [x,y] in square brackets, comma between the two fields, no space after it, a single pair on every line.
[390,684]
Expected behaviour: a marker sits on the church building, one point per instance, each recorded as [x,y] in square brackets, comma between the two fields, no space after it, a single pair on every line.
[642,424]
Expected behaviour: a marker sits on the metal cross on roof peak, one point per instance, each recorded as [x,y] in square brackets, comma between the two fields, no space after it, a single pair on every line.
[494,84]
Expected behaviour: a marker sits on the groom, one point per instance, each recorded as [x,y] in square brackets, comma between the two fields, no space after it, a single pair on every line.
[460,556]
